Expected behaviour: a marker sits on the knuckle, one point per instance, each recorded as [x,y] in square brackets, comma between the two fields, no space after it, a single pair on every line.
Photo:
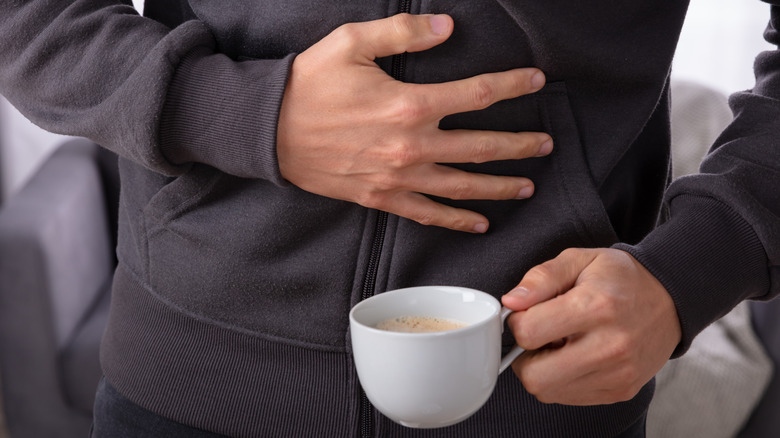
[542,273]
[484,150]
[620,350]
[425,218]
[458,223]
[370,199]
[528,337]
[601,306]
[535,387]
[524,337]
[347,35]
[403,25]
[461,190]
[409,108]
[530,383]
[402,154]
[386,182]
[569,253]
[482,93]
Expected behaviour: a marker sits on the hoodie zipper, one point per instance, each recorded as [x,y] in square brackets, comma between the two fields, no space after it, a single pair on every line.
[397,70]
[369,286]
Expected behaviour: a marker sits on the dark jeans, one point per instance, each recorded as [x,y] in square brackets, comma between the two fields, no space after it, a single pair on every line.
[117,417]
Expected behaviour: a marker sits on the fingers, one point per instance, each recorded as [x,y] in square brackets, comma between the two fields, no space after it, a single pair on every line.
[409,200]
[574,312]
[461,146]
[405,196]
[451,183]
[574,375]
[420,209]
[481,91]
[397,34]
[549,279]
[412,33]
[420,174]
[612,325]
[548,292]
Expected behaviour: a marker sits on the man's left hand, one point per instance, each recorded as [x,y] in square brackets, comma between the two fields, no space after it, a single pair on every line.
[597,326]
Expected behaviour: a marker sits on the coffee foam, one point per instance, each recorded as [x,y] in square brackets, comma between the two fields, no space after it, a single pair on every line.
[419,324]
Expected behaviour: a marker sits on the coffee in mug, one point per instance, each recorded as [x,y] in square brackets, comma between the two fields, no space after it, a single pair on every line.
[419,324]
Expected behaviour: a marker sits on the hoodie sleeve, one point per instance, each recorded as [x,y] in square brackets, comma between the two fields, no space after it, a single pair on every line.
[161,97]
[720,242]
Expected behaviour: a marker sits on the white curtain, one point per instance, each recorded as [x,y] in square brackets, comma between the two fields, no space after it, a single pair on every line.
[719,42]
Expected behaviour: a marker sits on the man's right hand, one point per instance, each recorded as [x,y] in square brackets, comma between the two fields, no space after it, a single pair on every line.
[349,131]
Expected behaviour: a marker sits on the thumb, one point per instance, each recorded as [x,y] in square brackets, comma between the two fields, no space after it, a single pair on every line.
[400,33]
[550,279]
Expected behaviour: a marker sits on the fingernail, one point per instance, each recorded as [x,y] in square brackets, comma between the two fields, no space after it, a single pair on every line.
[440,24]
[537,80]
[525,192]
[480,227]
[519,292]
[545,148]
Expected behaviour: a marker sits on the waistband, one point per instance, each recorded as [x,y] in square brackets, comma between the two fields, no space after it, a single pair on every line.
[237,384]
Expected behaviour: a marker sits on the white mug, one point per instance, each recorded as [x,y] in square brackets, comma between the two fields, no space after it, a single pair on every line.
[435,379]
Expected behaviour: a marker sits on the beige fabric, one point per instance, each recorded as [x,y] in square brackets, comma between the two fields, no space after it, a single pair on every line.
[711,391]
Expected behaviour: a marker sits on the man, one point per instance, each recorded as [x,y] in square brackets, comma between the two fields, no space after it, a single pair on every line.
[516,147]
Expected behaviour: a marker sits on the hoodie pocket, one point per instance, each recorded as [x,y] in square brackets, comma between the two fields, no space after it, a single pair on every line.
[250,256]
[565,210]
[575,178]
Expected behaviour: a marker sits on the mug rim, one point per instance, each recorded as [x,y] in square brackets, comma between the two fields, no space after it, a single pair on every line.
[418,335]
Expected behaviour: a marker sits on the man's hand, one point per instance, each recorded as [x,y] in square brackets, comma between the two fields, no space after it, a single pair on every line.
[598,323]
[349,131]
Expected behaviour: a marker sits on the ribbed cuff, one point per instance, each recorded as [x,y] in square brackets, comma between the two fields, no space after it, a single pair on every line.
[708,258]
[224,114]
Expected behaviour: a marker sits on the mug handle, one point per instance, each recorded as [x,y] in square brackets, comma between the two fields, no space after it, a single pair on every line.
[514,352]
